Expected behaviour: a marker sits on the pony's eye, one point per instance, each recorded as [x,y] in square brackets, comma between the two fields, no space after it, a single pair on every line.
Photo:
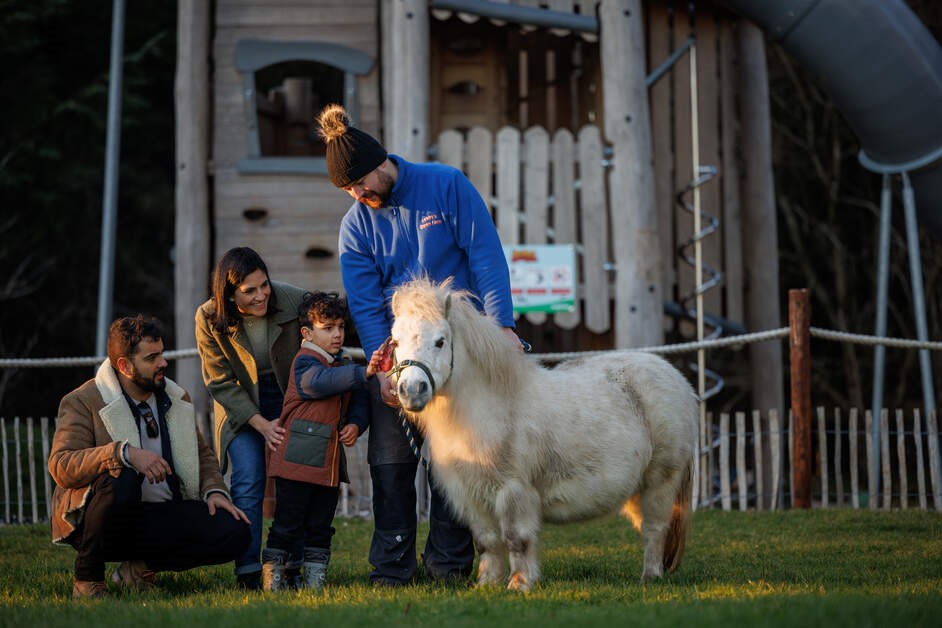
[440,343]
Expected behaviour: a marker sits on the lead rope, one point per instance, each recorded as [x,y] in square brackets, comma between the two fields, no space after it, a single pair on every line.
[411,438]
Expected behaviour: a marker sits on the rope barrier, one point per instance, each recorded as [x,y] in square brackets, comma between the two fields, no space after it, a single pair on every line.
[683,347]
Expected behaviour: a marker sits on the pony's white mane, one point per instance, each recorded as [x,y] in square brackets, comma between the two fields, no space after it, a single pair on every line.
[489,350]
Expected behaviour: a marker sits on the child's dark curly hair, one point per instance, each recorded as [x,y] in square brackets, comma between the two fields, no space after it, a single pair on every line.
[322,306]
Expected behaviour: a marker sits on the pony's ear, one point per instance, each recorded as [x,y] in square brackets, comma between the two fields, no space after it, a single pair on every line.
[395,303]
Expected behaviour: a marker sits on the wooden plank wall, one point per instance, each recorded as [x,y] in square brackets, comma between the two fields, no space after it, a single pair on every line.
[304,211]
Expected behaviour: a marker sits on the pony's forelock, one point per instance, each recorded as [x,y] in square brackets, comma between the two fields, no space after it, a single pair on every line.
[483,340]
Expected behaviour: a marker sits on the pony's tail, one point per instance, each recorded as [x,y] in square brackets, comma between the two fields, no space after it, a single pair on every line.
[679,527]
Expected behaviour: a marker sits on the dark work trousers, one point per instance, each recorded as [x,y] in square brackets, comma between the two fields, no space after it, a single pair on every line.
[302,511]
[167,536]
[449,549]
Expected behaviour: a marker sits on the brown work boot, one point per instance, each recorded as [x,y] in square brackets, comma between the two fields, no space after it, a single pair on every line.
[89,588]
[134,574]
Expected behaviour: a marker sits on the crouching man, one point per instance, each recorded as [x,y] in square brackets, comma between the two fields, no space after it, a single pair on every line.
[135,481]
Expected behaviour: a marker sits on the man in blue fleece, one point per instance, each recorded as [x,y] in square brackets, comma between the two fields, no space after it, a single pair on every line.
[408,220]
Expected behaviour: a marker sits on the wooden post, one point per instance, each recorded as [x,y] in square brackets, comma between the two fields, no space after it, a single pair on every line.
[885,458]
[935,473]
[775,447]
[838,461]
[852,448]
[726,496]
[47,480]
[741,475]
[19,469]
[31,470]
[191,225]
[6,477]
[872,495]
[823,453]
[637,250]
[920,469]
[901,458]
[799,317]
[760,464]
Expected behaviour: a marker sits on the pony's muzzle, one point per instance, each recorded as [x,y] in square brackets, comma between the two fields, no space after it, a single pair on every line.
[414,393]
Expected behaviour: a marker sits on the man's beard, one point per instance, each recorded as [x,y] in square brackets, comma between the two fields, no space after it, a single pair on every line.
[149,385]
[377,198]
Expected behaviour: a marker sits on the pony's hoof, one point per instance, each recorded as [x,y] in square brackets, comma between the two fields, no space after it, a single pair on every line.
[488,580]
[518,582]
[650,576]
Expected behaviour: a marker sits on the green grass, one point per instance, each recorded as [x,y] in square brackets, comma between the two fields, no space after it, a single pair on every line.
[796,568]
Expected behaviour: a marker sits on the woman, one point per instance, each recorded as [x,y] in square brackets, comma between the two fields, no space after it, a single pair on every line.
[247,336]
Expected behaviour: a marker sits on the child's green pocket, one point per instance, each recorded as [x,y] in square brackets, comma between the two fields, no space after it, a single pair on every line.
[308,443]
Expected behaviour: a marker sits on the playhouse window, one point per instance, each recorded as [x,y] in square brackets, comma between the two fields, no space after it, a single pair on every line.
[285,85]
[287,97]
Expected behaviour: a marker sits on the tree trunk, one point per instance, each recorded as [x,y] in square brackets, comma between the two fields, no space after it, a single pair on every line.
[193,252]
[760,241]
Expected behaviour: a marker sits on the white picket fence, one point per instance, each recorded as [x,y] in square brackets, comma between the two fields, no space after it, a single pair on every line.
[737,447]
[744,464]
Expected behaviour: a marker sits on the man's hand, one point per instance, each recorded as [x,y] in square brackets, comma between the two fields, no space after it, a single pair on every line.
[513,335]
[154,468]
[349,434]
[271,431]
[218,500]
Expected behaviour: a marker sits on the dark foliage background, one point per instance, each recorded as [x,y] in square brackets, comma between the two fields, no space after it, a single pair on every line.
[828,222]
[53,103]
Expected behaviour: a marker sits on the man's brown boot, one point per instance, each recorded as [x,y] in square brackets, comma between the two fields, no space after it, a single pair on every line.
[89,588]
[134,574]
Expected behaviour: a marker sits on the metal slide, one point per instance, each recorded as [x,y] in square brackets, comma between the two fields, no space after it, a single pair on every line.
[883,69]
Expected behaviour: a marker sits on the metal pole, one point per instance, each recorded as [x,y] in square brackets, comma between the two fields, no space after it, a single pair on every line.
[879,355]
[919,299]
[109,202]
[919,303]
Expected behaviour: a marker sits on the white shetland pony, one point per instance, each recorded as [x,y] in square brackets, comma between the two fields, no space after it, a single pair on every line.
[513,444]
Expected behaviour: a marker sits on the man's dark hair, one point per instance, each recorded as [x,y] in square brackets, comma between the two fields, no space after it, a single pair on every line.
[127,333]
[321,306]
[234,266]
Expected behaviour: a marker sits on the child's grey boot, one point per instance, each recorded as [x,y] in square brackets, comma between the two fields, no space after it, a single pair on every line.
[315,567]
[273,569]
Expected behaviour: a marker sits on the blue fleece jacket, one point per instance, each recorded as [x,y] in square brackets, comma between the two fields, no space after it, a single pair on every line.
[434,224]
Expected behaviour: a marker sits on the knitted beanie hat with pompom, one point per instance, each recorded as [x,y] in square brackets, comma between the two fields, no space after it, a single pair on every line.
[351,153]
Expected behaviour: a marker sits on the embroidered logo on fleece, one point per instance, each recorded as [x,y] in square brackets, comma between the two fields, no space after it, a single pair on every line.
[430,220]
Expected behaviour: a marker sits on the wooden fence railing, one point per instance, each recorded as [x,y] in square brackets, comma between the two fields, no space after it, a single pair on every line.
[745,463]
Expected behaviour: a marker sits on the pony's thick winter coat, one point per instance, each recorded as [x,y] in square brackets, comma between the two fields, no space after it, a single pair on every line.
[513,444]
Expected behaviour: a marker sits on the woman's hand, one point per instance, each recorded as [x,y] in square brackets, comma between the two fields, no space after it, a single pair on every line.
[271,431]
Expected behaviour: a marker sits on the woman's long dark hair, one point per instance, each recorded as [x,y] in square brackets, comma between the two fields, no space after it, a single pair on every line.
[233,267]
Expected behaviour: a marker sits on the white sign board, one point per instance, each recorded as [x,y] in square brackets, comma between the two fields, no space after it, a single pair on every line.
[542,277]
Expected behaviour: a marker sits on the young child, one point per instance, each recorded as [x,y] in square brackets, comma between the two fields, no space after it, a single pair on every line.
[326,404]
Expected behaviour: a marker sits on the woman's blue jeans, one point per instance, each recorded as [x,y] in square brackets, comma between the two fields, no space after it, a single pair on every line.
[247,460]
